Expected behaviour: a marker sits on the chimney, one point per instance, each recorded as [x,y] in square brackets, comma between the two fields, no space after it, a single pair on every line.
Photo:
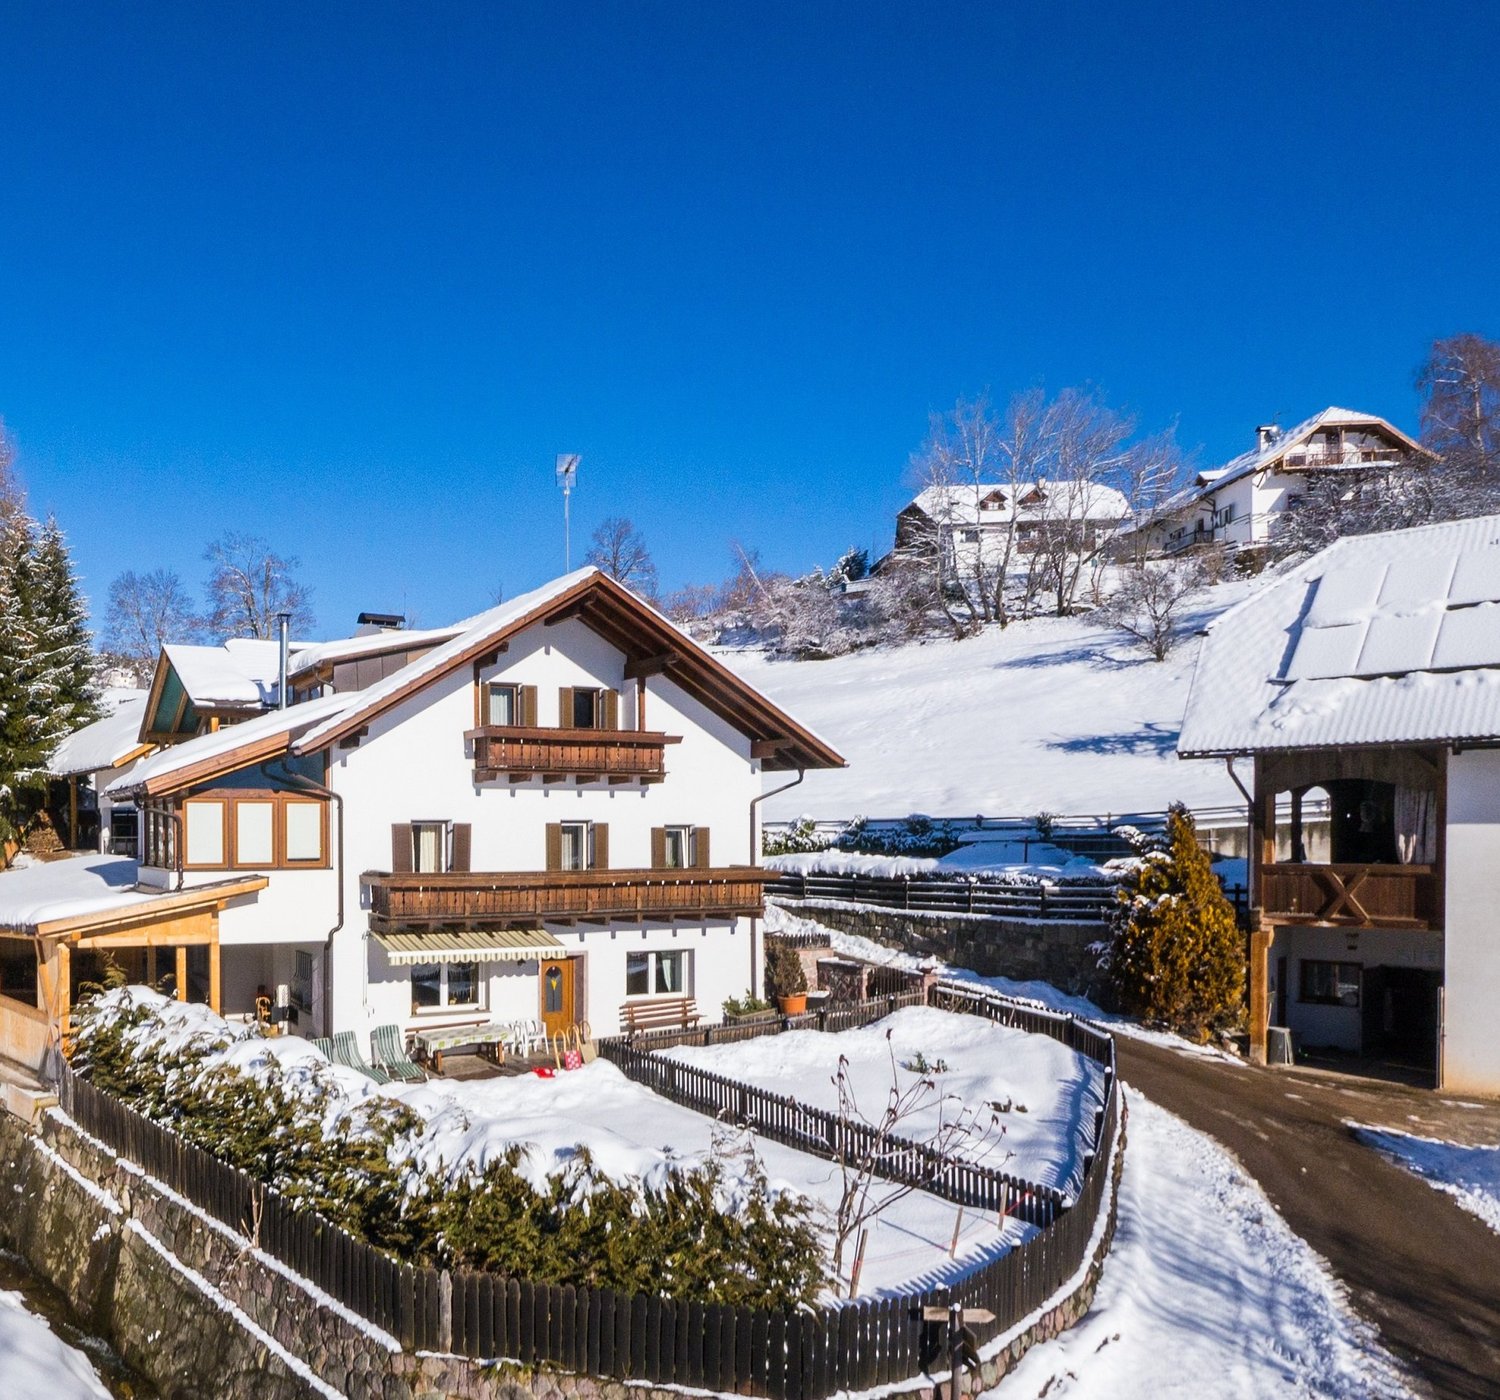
[1265,435]
[283,622]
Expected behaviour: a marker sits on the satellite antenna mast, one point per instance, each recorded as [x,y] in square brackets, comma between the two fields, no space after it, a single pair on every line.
[567,471]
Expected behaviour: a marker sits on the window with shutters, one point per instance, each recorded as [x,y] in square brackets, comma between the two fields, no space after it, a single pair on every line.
[679,847]
[587,709]
[580,707]
[502,704]
[429,847]
[575,845]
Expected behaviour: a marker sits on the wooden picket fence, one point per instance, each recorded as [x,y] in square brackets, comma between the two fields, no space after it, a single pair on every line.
[805,1354]
[953,895]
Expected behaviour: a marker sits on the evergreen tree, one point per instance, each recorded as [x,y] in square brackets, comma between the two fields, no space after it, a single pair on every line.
[1177,957]
[64,638]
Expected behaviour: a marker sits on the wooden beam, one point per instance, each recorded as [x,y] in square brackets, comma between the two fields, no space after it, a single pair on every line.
[215,985]
[649,666]
[768,748]
[151,973]
[181,973]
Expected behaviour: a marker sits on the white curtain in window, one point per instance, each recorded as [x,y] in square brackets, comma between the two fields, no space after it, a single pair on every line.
[429,847]
[1416,826]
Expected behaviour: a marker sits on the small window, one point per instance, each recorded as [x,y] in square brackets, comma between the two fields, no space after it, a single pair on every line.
[444,986]
[1330,983]
[969,536]
[502,704]
[254,833]
[429,847]
[205,832]
[677,847]
[576,846]
[304,831]
[658,974]
[587,709]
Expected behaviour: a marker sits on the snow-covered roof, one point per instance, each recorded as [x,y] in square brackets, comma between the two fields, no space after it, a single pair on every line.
[1260,458]
[241,674]
[263,732]
[1380,639]
[319,654]
[104,743]
[999,502]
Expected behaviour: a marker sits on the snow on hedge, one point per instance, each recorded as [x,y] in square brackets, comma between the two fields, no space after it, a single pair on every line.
[1471,1175]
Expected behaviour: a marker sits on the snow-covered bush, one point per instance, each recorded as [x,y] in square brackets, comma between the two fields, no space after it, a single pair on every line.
[798,839]
[1176,957]
[712,1230]
[916,836]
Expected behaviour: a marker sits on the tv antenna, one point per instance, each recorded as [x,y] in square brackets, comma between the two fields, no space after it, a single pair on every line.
[567,472]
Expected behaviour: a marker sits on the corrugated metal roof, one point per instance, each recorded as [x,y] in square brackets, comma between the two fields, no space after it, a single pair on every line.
[470,945]
[1267,679]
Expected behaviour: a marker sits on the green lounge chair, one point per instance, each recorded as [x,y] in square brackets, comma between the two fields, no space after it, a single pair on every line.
[390,1054]
[346,1052]
[323,1044]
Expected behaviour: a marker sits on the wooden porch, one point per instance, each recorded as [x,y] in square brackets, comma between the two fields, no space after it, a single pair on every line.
[459,898]
[520,752]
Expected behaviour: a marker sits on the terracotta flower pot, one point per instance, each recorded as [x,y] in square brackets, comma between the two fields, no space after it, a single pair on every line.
[794,1005]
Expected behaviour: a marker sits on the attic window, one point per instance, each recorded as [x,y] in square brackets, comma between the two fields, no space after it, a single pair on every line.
[994,501]
[1035,497]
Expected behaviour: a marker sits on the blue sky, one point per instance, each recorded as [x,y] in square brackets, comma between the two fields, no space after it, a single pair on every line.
[350,276]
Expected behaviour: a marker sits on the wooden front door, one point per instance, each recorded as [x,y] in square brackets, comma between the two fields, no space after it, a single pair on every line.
[557,993]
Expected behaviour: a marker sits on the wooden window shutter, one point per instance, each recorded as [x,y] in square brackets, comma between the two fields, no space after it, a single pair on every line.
[554,845]
[601,846]
[528,706]
[401,848]
[565,707]
[701,857]
[463,833]
[658,847]
[611,709]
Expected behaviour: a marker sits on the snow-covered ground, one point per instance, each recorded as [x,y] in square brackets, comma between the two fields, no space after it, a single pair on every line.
[1471,1175]
[1056,714]
[34,1361]
[1030,1094]
[1206,1292]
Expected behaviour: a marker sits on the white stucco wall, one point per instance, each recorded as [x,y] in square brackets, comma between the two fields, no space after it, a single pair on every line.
[1471,1062]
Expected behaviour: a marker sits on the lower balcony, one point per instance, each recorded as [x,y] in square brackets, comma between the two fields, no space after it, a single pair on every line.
[1351,896]
[465,899]
[585,755]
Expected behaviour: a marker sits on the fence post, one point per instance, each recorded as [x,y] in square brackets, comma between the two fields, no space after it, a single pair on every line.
[445,1311]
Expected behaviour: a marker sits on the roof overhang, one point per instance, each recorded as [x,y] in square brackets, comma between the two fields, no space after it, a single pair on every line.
[470,945]
[170,906]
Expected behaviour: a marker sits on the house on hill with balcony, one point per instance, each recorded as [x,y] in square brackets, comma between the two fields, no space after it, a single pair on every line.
[1370,675]
[549,813]
[1240,504]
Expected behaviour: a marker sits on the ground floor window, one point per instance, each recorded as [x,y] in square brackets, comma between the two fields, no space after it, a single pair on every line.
[302,980]
[1330,983]
[657,974]
[444,986]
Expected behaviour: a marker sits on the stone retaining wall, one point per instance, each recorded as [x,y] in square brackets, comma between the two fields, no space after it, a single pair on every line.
[1023,949]
[200,1312]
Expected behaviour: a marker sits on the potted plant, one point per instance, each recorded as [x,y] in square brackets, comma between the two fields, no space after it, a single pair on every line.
[785,979]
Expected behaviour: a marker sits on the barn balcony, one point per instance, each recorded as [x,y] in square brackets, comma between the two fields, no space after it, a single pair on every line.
[520,752]
[459,899]
[1351,896]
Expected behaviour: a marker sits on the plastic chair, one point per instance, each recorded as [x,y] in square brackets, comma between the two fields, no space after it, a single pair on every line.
[346,1052]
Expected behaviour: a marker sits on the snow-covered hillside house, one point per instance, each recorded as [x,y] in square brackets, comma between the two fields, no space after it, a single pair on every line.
[549,812]
[96,755]
[979,522]
[1371,675]
[1240,503]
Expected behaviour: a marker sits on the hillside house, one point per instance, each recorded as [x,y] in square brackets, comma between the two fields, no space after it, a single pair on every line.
[550,812]
[1239,504]
[977,523]
[1370,675]
[92,758]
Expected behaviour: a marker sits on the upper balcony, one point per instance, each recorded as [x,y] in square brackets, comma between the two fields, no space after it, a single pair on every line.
[1351,896]
[519,752]
[468,898]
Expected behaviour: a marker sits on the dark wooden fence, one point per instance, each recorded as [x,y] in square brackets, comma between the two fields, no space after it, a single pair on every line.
[1053,903]
[794,1355]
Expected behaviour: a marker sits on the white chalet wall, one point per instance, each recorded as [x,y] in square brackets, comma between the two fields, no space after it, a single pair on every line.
[1471,1061]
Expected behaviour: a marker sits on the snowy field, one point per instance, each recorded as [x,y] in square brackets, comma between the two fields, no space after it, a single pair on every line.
[34,1361]
[1030,1095]
[1055,714]
[1206,1292]
[1471,1175]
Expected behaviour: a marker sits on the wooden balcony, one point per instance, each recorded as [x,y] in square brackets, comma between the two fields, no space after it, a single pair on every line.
[460,899]
[1351,896]
[519,752]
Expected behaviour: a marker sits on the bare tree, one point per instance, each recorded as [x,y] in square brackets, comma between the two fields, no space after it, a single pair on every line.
[12,493]
[618,550]
[249,585]
[865,1192]
[144,611]
[1460,384]
[1148,604]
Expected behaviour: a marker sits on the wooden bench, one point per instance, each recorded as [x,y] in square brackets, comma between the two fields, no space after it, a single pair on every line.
[658,1014]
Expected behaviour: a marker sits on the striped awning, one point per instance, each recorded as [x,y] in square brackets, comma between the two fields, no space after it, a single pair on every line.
[474,945]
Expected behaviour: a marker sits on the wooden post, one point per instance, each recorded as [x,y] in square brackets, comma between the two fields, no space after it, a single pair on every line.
[1261,938]
[150,963]
[958,1225]
[64,987]
[73,813]
[214,986]
[182,973]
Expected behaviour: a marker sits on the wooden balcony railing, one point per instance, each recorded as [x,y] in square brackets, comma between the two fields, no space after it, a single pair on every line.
[493,898]
[620,755]
[1350,896]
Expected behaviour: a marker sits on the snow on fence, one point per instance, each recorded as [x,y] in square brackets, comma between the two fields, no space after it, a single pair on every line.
[807,1354]
[961,895]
